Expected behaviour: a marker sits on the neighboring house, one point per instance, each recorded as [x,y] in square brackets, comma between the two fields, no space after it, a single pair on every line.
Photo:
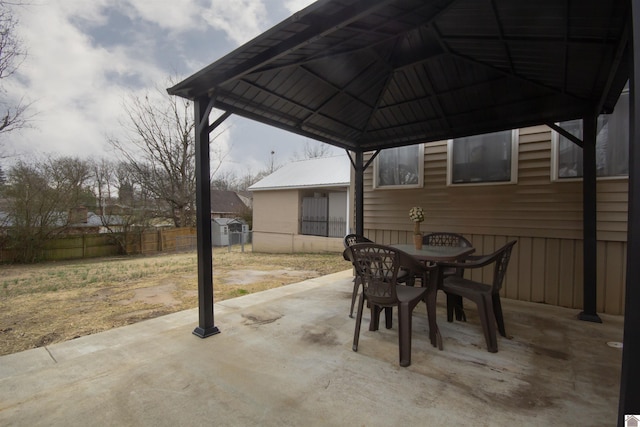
[302,207]
[225,231]
[246,197]
[226,204]
[524,184]
[77,221]
[83,221]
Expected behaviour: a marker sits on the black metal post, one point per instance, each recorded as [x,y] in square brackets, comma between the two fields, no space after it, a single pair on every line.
[630,375]
[359,196]
[589,218]
[206,326]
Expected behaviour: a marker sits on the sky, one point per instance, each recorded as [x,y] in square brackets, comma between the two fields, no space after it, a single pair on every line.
[85,59]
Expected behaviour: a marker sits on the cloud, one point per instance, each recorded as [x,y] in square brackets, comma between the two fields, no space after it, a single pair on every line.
[85,58]
[241,20]
[71,81]
[296,5]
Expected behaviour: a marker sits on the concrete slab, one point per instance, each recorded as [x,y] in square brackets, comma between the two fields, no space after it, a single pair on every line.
[284,357]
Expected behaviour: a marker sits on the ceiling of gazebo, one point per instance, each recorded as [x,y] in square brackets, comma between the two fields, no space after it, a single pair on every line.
[371,74]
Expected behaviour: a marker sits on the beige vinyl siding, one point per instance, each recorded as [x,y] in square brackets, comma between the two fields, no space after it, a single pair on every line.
[544,216]
[279,211]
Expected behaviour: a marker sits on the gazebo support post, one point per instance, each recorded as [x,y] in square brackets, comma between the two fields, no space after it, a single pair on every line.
[629,402]
[359,167]
[589,218]
[359,192]
[206,326]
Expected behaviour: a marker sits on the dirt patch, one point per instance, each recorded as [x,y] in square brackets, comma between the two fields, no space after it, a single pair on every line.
[245,277]
[160,294]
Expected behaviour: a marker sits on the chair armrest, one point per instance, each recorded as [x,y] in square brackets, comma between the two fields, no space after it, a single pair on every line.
[474,261]
[346,254]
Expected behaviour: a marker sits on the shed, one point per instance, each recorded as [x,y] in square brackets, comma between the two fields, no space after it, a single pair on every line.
[226,231]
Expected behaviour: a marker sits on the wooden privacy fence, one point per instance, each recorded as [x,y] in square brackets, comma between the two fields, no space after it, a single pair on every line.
[109,244]
[162,240]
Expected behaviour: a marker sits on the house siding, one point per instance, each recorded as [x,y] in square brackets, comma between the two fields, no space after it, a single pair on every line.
[274,228]
[544,216]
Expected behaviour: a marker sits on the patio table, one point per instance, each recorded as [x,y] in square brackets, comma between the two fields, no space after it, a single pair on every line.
[435,254]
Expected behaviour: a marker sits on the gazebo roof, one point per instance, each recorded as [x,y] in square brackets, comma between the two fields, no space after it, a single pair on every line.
[372,74]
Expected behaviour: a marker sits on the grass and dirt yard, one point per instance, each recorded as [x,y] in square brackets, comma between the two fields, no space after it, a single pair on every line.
[41,304]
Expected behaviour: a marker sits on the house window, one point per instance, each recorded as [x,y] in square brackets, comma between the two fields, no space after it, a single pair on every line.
[400,167]
[324,214]
[612,145]
[488,158]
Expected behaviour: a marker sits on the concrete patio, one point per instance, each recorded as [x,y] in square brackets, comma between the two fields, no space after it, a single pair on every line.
[284,357]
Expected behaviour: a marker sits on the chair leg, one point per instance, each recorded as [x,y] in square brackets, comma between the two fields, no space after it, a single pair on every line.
[375,317]
[485,312]
[404,334]
[455,306]
[431,299]
[497,311]
[459,309]
[354,295]
[356,334]
[388,317]
[451,301]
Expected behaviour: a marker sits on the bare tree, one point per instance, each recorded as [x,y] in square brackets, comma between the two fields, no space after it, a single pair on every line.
[39,198]
[70,178]
[225,180]
[119,206]
[312,150]
[12,114]
[33,213]
[140,206]
[104,182]
[160,151]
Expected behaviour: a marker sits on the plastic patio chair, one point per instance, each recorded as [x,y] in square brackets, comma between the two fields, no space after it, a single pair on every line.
[378,267]
[441,238]
[352,239]
[486,296]
[349,240]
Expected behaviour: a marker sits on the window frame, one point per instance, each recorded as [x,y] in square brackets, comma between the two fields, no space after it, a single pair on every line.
[515,143]
[420,165]
[555,158]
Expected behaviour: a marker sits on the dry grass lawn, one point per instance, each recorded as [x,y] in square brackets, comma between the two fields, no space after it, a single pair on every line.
[47,303]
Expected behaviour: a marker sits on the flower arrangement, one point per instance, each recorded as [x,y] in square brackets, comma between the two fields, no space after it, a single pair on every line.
[416,214]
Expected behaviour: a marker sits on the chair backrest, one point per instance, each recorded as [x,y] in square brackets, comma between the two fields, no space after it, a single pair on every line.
[352,239]
[378,267]
[502,257]
[445,239]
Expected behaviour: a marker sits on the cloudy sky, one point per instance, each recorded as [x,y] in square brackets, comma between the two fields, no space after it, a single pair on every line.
[85,58]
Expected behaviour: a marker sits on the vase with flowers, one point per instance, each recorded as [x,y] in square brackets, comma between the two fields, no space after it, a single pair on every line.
[416,214]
